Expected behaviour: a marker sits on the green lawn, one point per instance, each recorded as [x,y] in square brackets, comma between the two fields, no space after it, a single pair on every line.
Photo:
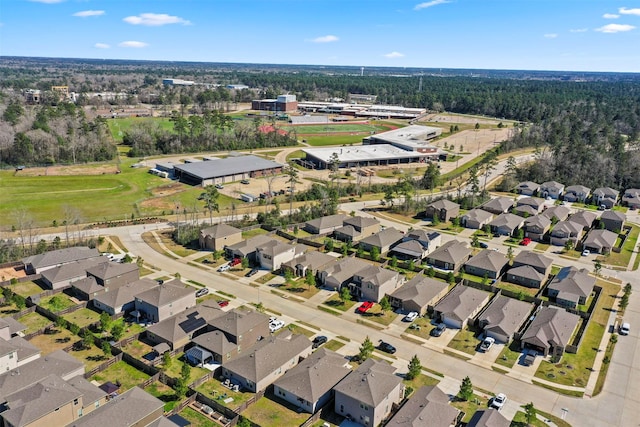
[297,329]
[623,258]
[421,381]
[118,127]
[215,390]
[26,289]
[176,367]
[334,128]
[470,407]
[8,308]
[376,314]
[56,302]
[465,341]
[273,412]
[33,322]
[164,393]
[520,421]
[82,317]
[509,356]
[507,286]
[335,302]
[424,323]
[128,376]
[91,357]
[299,288]
[321,140]
[196,418]
[334,345]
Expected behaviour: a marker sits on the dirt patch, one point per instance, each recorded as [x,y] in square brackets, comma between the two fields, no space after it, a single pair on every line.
[70,170]
[11,273]
[168,190]
[445,118]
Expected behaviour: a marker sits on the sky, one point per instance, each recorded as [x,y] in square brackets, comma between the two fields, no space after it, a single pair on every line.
[567,35]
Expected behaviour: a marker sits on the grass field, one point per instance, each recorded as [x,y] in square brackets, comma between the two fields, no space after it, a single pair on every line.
[118,127]
[335,128]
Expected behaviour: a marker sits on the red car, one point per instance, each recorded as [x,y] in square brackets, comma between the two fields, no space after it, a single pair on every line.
[525,241]
[235,262]
[365,306]
[223,303]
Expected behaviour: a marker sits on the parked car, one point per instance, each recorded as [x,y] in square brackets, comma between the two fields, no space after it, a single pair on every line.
[624,328]
[487,343]
[244,181]
[602,208]
[529,358]
[365,307]
[235,262]
[498,401]
[411,316]
[483,245]
[223,303]
[438,330]
[586,252]
[224,267]
[318,341]
[253,272]
[276,325]
[201,292]
[219,186]
[525,241]
[386,347]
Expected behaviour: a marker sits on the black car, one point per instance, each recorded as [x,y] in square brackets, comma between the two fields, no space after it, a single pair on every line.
[438,330]
[201,292]
[483,245]
[318,341]
[386,347]
[252,272]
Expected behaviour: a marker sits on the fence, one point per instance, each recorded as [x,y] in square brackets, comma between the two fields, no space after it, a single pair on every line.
[103,366]
[178,408]
[575,345]
[328,407]
[24,312]
[30,278]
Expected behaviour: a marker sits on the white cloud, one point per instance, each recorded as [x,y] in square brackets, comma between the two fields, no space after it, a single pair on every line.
[394,55]
[101,46]
[625,11]
[325,39]
[132,43]
[47,1]
[610,16]
[550,36]
[579,30]
[431,3]
[155,19]
[615,28]
[87,13]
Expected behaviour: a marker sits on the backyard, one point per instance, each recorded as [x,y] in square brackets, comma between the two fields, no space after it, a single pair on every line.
[26,289]
[33,322]
[175,368]
[164,393]
[123,373]
[270,411]
[215,390]
[57,340]
[55,303]
[83,317]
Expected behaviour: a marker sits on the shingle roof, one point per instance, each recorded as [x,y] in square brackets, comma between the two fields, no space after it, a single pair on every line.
[489,417]
[90,392]
[218,231]
[126,293]
[24,347]
[505,315]
[413,246]
[386,237]
[314,376]
[236,322]
[347,230]
[527,272]
[250,245]
[312,259]
[216,342]
[568,227]
[443,204]
[584,218]
[13,325]
[577,189]
[108,270]
[61,256]
[573,281]
[536,202]
[166,293]
[345,268]
[551,326]
[525,210]
[613,216]
[275,248]
[421,290]
[489,260]
[73,269]
[329,221]
[478,215]
[181,325]
[559,212]
[534,259]
[461,302]
[423,235]
[551,185]
[537,221]
[452,252]
[528,185]
[428,406]
[370,383]
[508,220]
[361,221]
[377,275]
[88,285]
[499,203]
[600,239]
[606,192]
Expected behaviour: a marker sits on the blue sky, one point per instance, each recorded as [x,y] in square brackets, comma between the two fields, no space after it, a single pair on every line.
[579,35]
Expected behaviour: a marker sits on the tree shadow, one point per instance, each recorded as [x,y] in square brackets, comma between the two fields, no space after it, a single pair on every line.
[335,303]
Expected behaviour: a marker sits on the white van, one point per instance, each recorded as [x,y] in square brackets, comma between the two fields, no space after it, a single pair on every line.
[624,329]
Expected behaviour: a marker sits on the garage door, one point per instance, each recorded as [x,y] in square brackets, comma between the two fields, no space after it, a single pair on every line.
[451,323]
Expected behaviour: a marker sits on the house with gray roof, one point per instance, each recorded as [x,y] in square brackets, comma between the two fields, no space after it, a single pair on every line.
[309,385]
[325,224]
[10,327]
[503,317]
[564,231]
[476,219]
[536,227]
[383,240]
[551,189]
[498,206]
[584,218]
[600,241]
[536,203]
[63,275]
[560,213]
[357,228]
[539,262]
[489,417]
[374,282]
[273,254]
[418,294]
[218,236]
[571,287]
[527,188]
[312,262]
[427,406]
[450,256]
[460,305]
[267,361]
[36,264]
[613,220]
[506,224]
[576,193]
[16,351]
[443,209]
[247,248]
[417,244]
[631,198]
[87,288]
[525,275]
[525,211]
[165,300]
[368,394]
[605,196]
[114,274]
[550,331]
[122,299]
[340,272]
[487,263]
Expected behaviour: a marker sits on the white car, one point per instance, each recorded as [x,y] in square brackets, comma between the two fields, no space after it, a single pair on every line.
[498,401]
[411,316]
[624,329]
[487,343]
[276,325]
[586,252]
[224,267]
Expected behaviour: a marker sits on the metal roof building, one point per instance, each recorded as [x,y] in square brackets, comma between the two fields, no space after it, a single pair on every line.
[225,170]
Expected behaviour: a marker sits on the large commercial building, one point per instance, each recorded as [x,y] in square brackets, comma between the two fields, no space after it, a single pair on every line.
[362,110]
[225,170]
[283,103]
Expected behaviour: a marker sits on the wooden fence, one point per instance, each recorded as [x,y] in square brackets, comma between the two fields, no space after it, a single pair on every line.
[328,407]
[103,366]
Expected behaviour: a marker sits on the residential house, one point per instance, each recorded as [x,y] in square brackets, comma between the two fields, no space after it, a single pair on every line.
[460,305]
[310,262]
[179,329]
[247,248]
[340,272]
[87,288]
[605,196]
[527,188]
[113,274]
[450,256]
[15,351]
[325,224]
[242,327]
[427,406]
[584,218]
[10,327]
[274,253]
[552,189]
[536,227]
[535,203]
[218,236]
[613,220]
[267,361]
[600,241]
[560,213]
[357,228]
[631,198]
[487,263]
[383,240]
[541,263]
[309,385]
[63,275]
[525,275]
[8,356]
[418,294]
[489,417]
[122,299]
[417,244]
[374,282]
[443,209]
[36,264]
[506,224]
[498,206]
[564,231]
[576,193]
[571,287]
[550,331]
[165,300]
[503,317]
[476,219]
[368,395]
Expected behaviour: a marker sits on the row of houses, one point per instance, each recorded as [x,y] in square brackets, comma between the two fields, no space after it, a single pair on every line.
[602,196]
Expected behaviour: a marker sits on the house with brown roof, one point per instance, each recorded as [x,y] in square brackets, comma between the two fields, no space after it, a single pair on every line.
[460,305]
[267,361]
[487,263]
[122,299]
[564,231]
[325,224]
[450,256]
[374,282]
[527,188]
[560,213]
[550,331]
[248,248]
[536,227]
[383,240]
[503,317]
[368,395]
[551,189]
[571,287]
[418,294]
[114,274]
[476,219]
[63,275]
[600,241]
[417,244]
[506,224]
[498,206]
[576,193]
[605,196]
[535,203]
[312,262]
[357,228]
[443,209]
[489,417]
[613,220]
[165,300]
[309,385]
[218,236]
[36,264]
[427,406]
[340,272]
[584,218]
